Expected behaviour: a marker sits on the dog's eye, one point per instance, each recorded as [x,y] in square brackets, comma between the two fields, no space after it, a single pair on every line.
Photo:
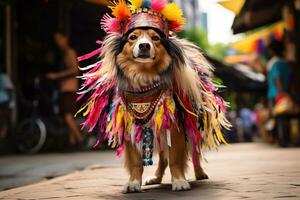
[155,38]
[133,37]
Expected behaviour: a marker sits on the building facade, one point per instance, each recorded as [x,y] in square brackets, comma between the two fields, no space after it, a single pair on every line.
[191,9]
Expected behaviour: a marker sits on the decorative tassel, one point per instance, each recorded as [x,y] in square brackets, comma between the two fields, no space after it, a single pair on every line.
[148,138]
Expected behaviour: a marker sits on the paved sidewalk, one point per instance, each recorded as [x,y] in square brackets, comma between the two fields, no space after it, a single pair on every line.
[241,171]
[24,169]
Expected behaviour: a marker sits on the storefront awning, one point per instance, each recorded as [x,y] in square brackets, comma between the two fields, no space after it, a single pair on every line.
[248,43]
[233,5]
[236,79]
[257,13]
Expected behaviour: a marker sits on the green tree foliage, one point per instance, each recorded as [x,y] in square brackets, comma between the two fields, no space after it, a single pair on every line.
[197,36]
[200,38]
[218,51]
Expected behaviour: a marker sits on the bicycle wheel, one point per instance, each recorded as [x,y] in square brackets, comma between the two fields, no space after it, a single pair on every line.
[31,135]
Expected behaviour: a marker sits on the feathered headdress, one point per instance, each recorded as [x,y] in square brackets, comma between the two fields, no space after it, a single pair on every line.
[157,14]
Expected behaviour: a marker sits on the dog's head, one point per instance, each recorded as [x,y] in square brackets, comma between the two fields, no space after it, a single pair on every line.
[145,55]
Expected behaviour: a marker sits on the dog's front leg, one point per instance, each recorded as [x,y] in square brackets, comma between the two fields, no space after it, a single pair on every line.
[178,161]
[162,164]
[134,165]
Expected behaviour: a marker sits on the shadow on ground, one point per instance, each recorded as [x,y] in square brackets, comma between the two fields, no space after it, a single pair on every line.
[206,188]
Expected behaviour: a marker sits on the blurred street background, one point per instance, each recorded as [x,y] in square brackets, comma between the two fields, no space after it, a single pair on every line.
[254,46]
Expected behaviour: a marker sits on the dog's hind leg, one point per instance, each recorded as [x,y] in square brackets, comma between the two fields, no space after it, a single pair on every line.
[178,161]
[199,172]
[134,165]
[162,164]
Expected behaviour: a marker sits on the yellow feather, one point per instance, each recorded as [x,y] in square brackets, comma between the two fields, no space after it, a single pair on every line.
[119,117]
[87,106]
[219,135]
[211,140]
[158,118]
[128,121]
[81,109]
[170,105]
[172,12]
[88,109]
[135,4]
[109,126]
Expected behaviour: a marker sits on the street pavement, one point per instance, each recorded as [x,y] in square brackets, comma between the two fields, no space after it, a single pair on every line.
[238,171]
[19,170]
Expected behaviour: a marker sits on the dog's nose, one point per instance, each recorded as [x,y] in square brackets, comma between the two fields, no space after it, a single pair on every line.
[144,46]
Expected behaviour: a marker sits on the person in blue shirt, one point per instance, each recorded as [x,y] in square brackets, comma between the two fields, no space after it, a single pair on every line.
[278,72]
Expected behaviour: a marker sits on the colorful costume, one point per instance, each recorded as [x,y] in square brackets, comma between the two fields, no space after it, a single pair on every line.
[141,116]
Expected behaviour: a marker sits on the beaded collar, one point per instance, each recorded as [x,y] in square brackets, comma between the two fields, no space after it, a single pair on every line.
[141,103]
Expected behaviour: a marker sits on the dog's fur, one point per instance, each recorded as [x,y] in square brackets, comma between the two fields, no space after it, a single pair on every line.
[166,60]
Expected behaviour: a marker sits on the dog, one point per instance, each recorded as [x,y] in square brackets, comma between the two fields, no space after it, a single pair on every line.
[152,91]
[144,59]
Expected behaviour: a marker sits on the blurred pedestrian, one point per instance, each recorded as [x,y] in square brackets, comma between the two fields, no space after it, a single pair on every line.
[248,122]
[6,102]
[278,72]
[68,86]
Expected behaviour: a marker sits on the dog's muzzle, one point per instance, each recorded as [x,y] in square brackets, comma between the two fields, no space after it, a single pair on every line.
[144,50]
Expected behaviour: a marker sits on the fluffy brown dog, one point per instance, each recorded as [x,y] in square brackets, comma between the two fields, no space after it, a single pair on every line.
[142,61]
[153,91]
[142,74]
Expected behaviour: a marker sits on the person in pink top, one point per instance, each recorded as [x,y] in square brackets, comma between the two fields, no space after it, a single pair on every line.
[68,86]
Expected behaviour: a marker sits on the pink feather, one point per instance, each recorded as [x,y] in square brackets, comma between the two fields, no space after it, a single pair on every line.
[109,24]
[89,55]
[158,5]
[167,120]
[220,103]
[120,150]
[138,133]
[80,97]
[195,157]
[195,136]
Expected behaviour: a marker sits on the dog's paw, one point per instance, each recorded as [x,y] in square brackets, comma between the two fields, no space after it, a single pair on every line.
[180,185]
[151,180]
[132,186]
[201,176]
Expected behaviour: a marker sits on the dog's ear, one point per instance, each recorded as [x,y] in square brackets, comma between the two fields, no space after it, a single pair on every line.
[118,44]
[174,51]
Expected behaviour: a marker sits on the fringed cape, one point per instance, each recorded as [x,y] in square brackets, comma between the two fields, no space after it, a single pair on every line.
[192,104]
